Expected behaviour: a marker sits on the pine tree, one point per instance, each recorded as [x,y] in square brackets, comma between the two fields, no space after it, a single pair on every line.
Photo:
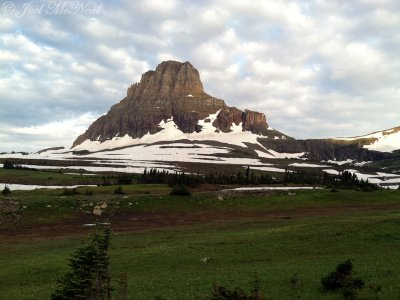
[89,275]
[247,175]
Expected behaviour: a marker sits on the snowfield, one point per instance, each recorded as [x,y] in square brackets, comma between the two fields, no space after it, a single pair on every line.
[387,140]
[384,180]
[273,188]
[31,187]
[170,132]
[305,165]
[170,146]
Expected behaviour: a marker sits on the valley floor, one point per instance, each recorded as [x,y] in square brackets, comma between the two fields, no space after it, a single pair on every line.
[290,239]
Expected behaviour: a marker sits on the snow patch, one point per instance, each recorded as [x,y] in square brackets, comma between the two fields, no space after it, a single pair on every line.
[305,165]
[361,163]
[340,162]
[386,143]
[383,181]
[29,187]
[268,169]
[273,188]
[331,171]
[236,128]
[386,140]
[263,154]
[286,155]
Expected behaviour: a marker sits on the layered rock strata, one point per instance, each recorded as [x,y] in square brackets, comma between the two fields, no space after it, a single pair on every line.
[173,91]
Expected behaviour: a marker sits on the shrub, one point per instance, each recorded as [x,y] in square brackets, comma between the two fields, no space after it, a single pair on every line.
[295,281]
[70,192]
[342,279]
[8,165]
[223,293]
[6,190]
[180,190]
[119,191]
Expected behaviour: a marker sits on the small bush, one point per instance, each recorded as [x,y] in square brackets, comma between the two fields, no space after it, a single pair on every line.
[119,191]
[70,192]
[223,293]
[295,282]
[6,190]
[180,190]
[342,279]
[8,165]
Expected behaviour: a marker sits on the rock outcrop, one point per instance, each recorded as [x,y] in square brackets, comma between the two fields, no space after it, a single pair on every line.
[173,90]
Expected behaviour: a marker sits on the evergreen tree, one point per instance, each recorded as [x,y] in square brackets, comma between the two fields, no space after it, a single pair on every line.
[6,190]
[8,165]
[247,175]
[89,275]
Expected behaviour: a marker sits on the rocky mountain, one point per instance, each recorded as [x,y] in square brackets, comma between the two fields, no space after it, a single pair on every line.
[169,105]
[175,92]
[167,122]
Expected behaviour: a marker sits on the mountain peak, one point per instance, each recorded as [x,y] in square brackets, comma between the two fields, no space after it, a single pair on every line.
[170,79]
[173,91]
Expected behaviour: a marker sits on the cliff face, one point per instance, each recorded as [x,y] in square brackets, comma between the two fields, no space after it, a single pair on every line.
[173,90]
[170,79]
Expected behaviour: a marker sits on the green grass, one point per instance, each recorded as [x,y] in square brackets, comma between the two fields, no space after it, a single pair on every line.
[49,206]
[167,262]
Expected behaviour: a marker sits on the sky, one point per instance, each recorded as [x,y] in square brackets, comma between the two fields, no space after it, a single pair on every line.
[315,68]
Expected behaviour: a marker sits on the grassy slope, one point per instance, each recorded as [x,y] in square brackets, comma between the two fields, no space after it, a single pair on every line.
[166,261]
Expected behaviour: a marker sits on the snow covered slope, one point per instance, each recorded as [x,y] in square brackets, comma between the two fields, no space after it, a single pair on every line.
[166,149]
[170,133]
[383,141]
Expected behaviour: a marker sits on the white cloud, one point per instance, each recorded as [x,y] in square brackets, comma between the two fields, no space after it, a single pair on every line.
[156,7]
[57,128]
[6,23]
[56,133]
[302,63]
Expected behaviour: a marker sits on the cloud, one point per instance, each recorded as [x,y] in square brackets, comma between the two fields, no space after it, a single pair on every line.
[316,68]
[55,133]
